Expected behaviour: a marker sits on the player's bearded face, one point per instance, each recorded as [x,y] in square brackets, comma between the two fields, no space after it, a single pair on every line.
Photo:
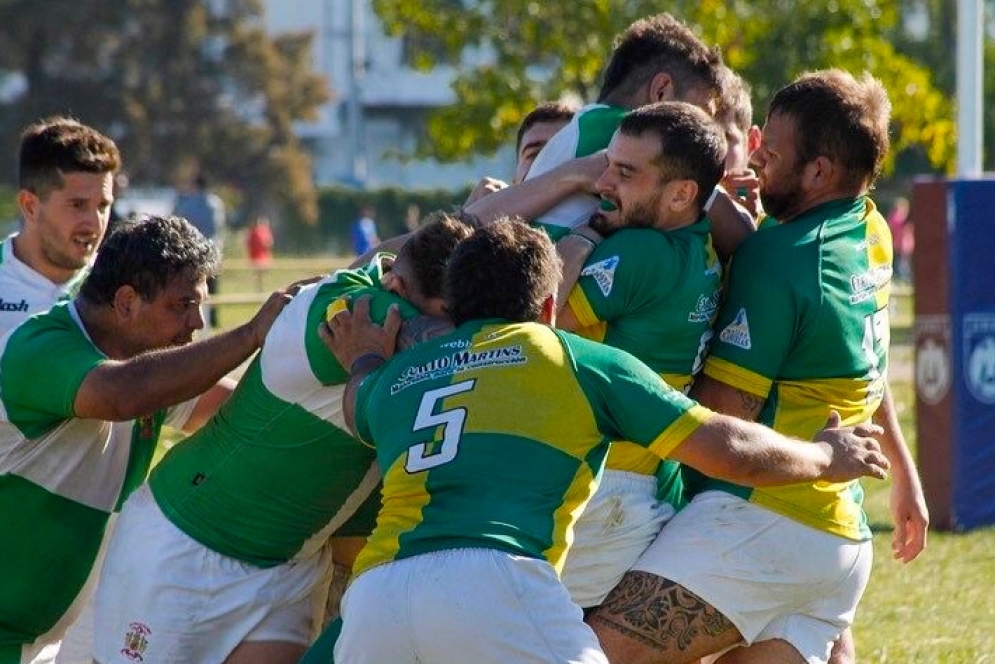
[782,195]
[634,214]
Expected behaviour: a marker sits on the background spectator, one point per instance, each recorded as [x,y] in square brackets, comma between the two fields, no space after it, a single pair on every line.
[259,244]
[364,231]
[206,211]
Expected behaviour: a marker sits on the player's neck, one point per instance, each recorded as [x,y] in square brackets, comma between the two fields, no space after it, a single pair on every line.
[30,253]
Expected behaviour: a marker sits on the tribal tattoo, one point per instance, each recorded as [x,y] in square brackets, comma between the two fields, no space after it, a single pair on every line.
[664,617]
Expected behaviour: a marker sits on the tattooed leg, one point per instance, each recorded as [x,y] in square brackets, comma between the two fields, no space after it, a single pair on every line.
[648,619]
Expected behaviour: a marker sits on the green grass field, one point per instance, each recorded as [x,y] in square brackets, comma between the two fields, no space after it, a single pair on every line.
[939,609]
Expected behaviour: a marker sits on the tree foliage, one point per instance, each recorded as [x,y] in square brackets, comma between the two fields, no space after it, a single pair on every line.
[535,50]
[179,85]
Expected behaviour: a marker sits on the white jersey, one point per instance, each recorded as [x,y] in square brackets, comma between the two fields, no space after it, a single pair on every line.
[25,292]
[590,130]
[60,476]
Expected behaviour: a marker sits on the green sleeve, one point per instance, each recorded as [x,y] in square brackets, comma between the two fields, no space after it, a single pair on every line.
[629,401]
[344,289]
[365,392]
[42,369]
[615,281]
[596,128]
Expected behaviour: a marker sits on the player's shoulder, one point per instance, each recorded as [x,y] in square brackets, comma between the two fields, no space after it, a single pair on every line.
[589,354]
[778,246]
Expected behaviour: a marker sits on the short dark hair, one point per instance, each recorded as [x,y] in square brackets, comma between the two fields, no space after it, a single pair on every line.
[692,144]
[841,117]
[58,145]
[660,43]
[504,270]
[147,253]
[547,111]
[430,247]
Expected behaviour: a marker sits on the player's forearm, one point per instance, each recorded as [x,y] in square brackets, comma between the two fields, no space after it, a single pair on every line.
[162,378]
[574,250]
[528,199]
[753,455]
[893,443]
[750,454]
[731,224]
[393,245]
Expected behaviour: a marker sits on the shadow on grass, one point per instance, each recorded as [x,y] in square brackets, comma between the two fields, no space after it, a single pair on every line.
[881,527]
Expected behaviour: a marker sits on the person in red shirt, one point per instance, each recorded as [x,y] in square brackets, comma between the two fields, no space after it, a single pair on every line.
[259,242]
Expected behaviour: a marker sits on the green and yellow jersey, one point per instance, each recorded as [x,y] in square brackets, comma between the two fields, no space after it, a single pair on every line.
[653,294]
[494,437]
[805,327]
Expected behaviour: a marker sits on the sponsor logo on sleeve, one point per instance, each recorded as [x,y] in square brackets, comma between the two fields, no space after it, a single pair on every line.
[705,308]
[737,333]
[603,273]
[866,285]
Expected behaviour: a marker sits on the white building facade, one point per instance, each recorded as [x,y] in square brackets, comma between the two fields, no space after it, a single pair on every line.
[365,136]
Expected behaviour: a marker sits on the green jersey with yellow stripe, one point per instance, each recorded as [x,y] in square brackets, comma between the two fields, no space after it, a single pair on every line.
[654,294]
[494,437]
[805,327]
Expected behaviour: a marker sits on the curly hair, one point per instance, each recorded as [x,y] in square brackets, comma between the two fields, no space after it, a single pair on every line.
[660,43]
[146,254]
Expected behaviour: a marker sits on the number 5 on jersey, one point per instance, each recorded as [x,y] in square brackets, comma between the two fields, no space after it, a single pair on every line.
[422,456]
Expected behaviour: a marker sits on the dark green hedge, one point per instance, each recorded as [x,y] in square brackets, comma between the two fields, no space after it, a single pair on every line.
[339,207]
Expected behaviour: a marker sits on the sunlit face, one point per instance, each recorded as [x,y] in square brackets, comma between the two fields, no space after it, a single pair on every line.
[172,317]
[533,140]
[737,151]
[776,162]
[67,225]
[632,183]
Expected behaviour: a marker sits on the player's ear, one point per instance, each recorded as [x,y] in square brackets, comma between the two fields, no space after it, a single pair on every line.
[661,87]
[684,194]
[125,298]
[28,202]
[752,139]
[547,316]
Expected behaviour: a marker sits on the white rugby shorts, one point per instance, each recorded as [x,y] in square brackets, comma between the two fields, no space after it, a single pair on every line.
[463,605]
[621,520]
[166,599]
[772,577]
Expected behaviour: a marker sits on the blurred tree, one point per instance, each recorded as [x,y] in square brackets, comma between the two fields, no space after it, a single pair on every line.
[536,50]
[179,84]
